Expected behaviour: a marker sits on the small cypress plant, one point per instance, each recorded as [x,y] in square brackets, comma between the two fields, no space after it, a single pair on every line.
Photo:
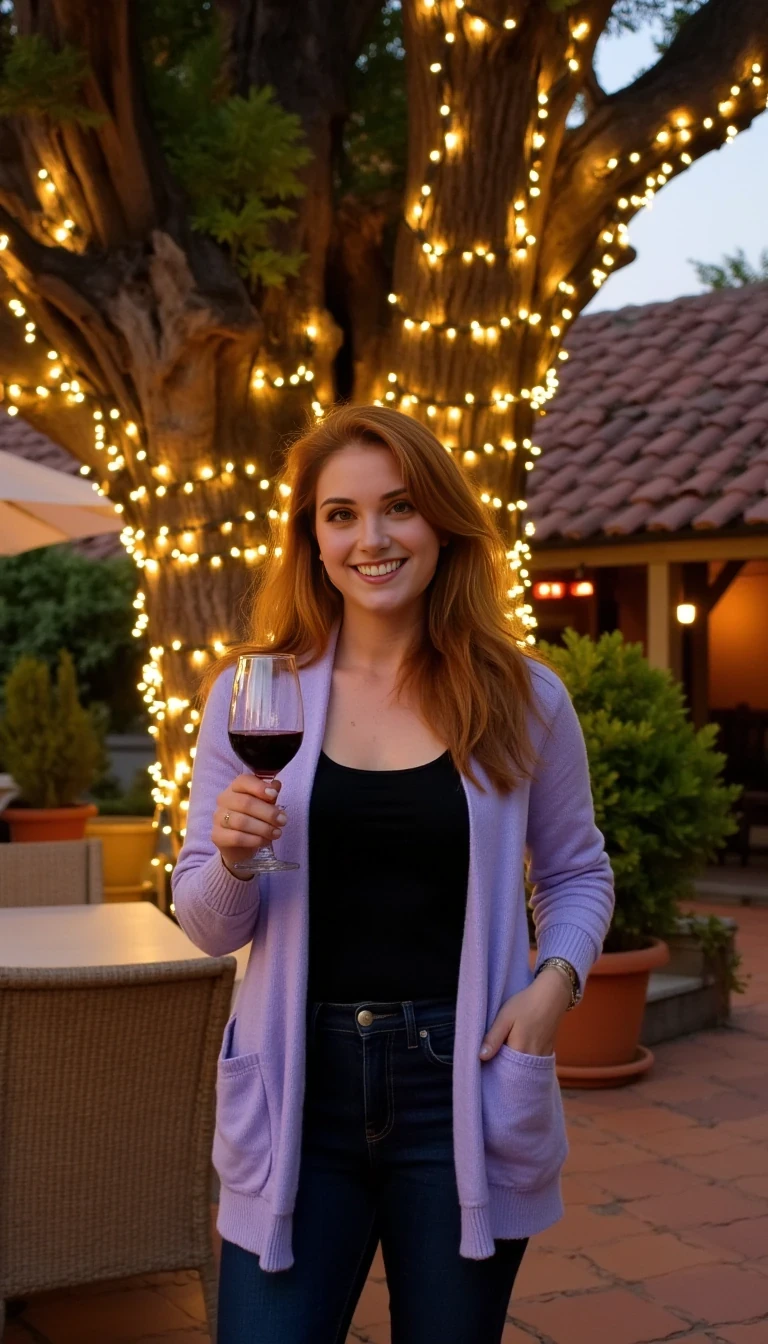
[48,741]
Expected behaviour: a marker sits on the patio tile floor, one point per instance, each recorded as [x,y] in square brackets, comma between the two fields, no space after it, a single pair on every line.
[665,1237]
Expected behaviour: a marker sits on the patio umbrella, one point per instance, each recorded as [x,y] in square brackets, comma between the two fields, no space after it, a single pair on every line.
[39,506]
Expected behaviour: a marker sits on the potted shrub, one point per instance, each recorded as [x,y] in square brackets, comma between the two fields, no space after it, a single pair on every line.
[664,811]
[128,832]
[51,747]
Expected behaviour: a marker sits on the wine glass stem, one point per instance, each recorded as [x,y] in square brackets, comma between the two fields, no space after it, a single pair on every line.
[266,851]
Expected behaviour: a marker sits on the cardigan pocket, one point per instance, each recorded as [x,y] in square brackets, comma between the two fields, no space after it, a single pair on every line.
[523,1120]
[242,1142]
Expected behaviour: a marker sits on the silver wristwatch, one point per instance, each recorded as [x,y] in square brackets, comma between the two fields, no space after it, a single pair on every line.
[567,969]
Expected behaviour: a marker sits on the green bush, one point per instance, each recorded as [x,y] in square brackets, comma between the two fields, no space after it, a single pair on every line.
[136,801]
[55,598]
[49,742]
[659,799]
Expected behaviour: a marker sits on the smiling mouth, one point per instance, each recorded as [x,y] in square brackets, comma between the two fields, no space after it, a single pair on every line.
[380,570]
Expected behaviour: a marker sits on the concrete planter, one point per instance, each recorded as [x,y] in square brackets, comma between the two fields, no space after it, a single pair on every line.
[694,990]
[128,846]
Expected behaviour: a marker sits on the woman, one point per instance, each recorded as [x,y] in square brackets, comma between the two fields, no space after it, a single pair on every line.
[388,1074]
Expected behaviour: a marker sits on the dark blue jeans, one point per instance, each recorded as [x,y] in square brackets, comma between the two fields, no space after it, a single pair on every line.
[376,1165]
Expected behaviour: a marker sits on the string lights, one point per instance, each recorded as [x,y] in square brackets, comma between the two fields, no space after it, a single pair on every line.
[462,421]
[124,467]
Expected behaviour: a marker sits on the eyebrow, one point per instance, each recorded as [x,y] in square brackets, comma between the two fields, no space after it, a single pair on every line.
[401,490]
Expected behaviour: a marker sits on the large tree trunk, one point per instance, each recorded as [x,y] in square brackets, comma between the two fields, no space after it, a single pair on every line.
[182,386]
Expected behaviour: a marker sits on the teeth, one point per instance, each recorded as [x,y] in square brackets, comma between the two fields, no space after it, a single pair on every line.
[373,571]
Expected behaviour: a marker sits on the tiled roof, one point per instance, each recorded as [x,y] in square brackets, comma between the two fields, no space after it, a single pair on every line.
[16,436]
[660,424]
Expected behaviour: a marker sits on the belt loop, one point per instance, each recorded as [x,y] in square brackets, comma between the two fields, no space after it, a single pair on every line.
[410,1023]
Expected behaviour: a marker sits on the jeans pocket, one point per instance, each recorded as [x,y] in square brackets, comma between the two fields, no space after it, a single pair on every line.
[523,1119]
[242,1142]
[437,1043]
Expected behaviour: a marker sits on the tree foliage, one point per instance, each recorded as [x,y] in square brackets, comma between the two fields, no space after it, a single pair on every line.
[40,81]
[734,270]
[236,157]
[376,133]
[55,598]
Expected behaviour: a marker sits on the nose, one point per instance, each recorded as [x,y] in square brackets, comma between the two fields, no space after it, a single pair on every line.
[373,535]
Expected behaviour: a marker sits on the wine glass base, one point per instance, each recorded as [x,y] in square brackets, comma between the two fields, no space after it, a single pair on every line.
[256,866]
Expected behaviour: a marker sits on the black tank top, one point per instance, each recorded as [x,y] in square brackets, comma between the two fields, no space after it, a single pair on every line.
[388,867]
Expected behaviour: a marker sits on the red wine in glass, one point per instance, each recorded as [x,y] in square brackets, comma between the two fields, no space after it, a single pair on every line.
[266,728]
[266,753]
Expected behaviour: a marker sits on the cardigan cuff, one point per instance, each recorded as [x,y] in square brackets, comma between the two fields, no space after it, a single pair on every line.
[223,892]
[571,943]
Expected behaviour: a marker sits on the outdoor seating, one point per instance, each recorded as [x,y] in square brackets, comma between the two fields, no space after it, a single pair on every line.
[51,872]
[107,1086]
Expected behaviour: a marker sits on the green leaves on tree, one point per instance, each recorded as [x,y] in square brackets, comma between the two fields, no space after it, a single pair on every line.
[40,81]
[734,271]
[237,158]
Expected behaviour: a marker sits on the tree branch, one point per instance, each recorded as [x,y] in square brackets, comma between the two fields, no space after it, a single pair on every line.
[714,49]
[594,93]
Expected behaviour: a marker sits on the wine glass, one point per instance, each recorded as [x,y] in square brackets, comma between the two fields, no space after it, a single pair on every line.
[266,727]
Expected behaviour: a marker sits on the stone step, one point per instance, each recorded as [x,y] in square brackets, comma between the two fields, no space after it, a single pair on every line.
[676,1005]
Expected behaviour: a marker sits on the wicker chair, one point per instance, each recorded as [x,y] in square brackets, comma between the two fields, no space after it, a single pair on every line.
[107,1090]
[51,872]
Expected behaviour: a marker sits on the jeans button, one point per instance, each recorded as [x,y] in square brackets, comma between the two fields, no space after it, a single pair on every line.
[365,1017]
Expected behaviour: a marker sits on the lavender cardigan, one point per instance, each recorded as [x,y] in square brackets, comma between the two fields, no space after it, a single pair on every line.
[509,1130]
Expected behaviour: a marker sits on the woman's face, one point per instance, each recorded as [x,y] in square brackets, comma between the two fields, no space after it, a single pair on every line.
[377,550]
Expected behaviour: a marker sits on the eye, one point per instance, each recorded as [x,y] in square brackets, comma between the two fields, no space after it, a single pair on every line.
[403,504]
[336,515]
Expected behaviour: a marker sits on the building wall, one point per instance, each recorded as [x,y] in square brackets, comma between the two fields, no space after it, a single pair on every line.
[631,590]
[738,640]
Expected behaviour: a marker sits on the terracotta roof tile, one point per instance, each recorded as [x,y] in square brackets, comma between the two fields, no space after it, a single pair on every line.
[627,448]
[669,442]
[750,481]
[613,495]
[729,416]
[642,469]
[586,524]
[649,389]
[677,514]
[710,366]
[689,421]
[722,511]
[706,440]
[577,435]
[661,421]
[711,400]
[549,525]
[704,481]
[688,387]
[655,491]
[629,520]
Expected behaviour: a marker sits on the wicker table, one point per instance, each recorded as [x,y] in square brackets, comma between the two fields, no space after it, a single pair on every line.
[119,934]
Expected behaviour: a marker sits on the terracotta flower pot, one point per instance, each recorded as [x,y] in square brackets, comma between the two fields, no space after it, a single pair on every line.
[49,823]
[598,1044]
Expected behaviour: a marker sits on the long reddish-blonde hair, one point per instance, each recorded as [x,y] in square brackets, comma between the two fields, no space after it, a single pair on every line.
[469,673]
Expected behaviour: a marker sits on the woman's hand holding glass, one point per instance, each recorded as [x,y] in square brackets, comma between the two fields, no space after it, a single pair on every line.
[247,817]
